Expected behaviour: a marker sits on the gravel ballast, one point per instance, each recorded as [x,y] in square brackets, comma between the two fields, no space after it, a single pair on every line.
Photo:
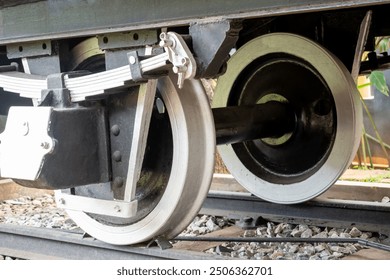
[284,250]
[42,212]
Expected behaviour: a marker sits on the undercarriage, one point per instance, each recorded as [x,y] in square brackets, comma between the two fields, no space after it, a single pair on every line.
[106,104]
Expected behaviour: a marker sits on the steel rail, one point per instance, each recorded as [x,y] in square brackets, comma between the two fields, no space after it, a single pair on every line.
[42,243]
[46,244]
[367,216]
[360,241]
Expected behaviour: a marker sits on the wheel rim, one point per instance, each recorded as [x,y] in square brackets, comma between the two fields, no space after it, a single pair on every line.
[190,173]
[304,164]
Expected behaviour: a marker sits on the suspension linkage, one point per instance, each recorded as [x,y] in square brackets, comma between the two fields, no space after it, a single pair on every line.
[84,86]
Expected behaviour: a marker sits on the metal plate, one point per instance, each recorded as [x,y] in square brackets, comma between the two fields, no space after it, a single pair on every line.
[26,133]
[39,48]
[61,19]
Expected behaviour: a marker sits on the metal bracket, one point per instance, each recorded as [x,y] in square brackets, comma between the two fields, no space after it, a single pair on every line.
[212,42]
[184,64]
[136,69]
[361,43]
[176,52]
[56,94]
[115,208]
[127,207]
[37,145]
[161,242]
[29,49]
[26,132]
[127,39]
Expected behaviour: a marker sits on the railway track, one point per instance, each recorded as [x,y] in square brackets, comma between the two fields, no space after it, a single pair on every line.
[51,244]
[345,204]
[40,243]
[368,216]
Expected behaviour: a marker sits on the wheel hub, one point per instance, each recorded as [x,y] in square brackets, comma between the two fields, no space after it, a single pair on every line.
[295,167]
[292,81]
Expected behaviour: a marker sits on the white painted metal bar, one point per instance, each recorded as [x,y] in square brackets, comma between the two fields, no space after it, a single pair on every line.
[143,115]
[116,208]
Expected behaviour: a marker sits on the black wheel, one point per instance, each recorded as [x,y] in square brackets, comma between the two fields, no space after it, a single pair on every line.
[302,164]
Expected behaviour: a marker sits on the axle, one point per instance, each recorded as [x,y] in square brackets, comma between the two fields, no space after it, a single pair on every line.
[250,122]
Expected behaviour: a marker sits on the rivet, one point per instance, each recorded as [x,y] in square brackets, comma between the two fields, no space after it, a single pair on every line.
[118,182]
[117,156]
[115,130]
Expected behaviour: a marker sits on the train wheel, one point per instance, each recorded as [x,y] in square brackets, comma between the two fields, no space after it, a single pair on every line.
[177,170]
[302,164]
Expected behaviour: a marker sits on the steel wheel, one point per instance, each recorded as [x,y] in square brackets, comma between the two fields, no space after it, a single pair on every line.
[301,165]
[176,173]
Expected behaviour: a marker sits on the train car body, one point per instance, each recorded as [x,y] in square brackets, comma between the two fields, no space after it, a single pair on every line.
[103,101]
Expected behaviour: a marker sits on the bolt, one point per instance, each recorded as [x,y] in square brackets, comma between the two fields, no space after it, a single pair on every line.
[166,43]
[117,208]
[45,145]
[163,36]
[179,69]
[115,130]
[117,156]
[132,60]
